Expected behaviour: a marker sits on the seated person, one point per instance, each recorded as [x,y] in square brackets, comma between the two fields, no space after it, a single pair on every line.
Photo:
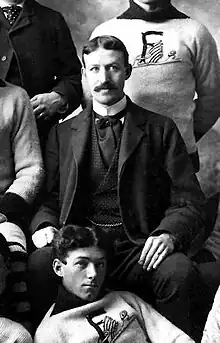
[21,176]
[11,332]
[84,310]
[131,174]
[211,333]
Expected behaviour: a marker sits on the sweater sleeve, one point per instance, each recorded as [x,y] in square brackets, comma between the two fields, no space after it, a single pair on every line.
[211,333]
[207,76]
[11,331]
[28,164]
[69,71]
[48,213]
[157,327]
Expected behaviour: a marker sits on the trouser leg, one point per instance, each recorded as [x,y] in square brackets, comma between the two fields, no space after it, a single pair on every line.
[42,282]
[175,284]
[209,274]
[170,288]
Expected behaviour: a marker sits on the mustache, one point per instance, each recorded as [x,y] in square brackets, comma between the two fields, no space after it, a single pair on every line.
[105,85]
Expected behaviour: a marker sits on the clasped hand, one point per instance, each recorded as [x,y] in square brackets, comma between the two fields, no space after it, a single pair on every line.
[47,104]
[155,250]
[44,236]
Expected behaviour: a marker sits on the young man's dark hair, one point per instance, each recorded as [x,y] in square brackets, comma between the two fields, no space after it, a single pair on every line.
[72,237]
[105,42]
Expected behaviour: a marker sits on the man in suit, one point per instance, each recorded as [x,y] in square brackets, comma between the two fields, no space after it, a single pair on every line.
[126,169]
[38,54]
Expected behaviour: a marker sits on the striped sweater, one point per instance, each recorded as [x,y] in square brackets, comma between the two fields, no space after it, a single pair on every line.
[11,332]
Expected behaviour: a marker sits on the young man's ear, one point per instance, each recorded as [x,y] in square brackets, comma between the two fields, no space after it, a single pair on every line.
[58,267]
[128,71]
[83,72]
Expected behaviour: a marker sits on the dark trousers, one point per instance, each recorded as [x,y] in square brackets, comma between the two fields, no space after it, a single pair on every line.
[170,288]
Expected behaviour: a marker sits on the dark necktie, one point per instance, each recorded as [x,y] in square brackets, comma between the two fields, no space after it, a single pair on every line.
[109,130]
[12,13]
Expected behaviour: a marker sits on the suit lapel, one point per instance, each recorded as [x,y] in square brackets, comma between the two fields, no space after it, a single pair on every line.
[24,18]
[80,135]
[4,22]
[132,133]
[81,127]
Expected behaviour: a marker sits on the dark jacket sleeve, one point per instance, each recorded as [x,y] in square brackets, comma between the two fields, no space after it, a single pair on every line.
[69,71]
[184,218]
[48,213]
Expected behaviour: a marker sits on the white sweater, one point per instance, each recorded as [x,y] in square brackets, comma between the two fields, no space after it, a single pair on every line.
[180,59]
[21,165]
[12,332]
[121,317]
[211,333]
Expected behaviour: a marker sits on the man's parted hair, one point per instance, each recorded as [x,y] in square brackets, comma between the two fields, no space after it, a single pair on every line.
[72,237]
[105,42]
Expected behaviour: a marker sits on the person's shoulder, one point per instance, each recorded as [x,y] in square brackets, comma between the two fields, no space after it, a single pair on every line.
[11,92]
[122,295]
[14,332]
[46,11]
[65,129]
[149,117]
[129,298]
[194,28]
[109,22]
[73,121]
[107,27]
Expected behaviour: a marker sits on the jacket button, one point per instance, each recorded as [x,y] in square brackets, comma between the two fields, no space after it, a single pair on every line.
[4,58]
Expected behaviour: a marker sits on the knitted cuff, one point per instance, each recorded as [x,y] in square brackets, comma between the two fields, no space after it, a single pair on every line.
[15,208]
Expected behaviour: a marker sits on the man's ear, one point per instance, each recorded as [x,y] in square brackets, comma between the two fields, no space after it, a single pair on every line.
[58,267]
[83,72]
[128,71]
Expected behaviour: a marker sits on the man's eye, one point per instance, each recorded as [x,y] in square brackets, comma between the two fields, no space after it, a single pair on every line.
[95,69]
[81,264]
[114,68]
[100,265]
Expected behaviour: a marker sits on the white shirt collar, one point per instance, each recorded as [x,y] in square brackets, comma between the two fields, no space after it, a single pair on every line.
[4,3]
[109,110]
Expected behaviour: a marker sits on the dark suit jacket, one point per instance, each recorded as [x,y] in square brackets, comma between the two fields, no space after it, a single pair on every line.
[157,188]
[45,52]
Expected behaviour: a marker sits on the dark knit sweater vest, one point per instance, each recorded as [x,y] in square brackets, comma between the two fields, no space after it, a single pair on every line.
[104,198]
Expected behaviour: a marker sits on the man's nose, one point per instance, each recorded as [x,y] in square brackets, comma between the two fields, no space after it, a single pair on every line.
[103,75]
[91,270]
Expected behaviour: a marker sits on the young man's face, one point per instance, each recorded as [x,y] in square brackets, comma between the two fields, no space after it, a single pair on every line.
[84,272]
[106,73]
